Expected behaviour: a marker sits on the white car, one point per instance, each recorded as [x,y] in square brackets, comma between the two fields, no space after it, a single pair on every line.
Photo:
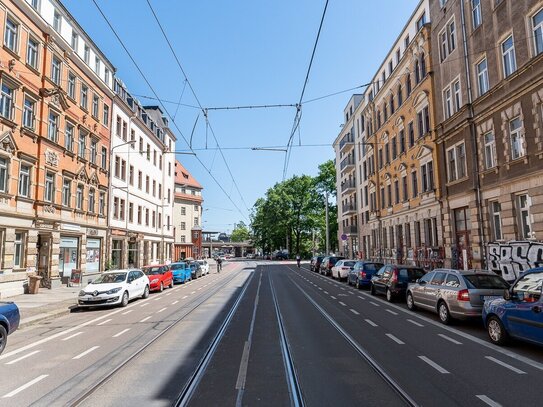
[342,268]
[204,265]
[115,287]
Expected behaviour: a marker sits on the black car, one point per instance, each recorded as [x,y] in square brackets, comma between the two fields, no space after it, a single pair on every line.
[315,264]
[327,264]
[195,269]
[392,280]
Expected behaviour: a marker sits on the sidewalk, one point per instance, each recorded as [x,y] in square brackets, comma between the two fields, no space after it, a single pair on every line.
[46,304]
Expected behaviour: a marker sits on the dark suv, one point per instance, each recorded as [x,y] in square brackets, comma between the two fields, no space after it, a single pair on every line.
[315,264]
[328,263]
[392,280]
[362,273]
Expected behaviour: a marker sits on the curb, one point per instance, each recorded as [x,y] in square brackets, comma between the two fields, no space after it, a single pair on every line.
[34,319]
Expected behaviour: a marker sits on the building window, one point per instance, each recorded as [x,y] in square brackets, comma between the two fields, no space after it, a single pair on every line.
[66,191]
[84,96]
[537,21]
[93,151]
[71,85]
[131,212]
[121,208]
[102,203]
[34,3]
[24,181]
[86,54]
[396,192]
[79,197]
[32,53]
[421,21]
[183,226]
[490,150]
[69,137]
[147,183]
[97,64]
[408,84]
[427,175]
[125,131]
[389,195]
[49,192]
[52,128]
[496,221]
[482,77]
[95,106]
[117,169]
[75,41]
[140,180]
[414,184]
[104,158]
[508,57]
[525,224]
[11,35]
[146,217]
[447,102]
[4,175]
[141,145]
[411,131]
[476,13]
[154,188]
[29,114]
[456,162]
[131,175]
[57,21]
[106,76]
[457,96]
[394,148]
[153,219]
[18,258]
[7,101]
[139,214]
[183,210]
[82,145]
[105,119]
[517,139]
[91,200]
[404,188]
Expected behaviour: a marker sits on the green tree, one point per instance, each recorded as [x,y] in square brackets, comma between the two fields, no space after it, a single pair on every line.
[240,233]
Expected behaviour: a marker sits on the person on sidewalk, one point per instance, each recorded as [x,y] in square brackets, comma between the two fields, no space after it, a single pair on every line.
[219,265]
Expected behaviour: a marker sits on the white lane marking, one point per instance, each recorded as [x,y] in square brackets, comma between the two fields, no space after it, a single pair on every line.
[350,292]
[167,294]
[354,312]
[120,333]
[73,336]
[359,296]
[391,312]
[145,319]
[414,322]
[194,292]
[143,305]
[104,322]
[450,339]
[395,339]
[23,357]
[160,310]
[186,296]
[326,292]
[343,288]
[199,288]
[320,288]
[507,366]
[369,321]
[86,352]
[175,302]
[434,365]
[25,386]
[332,297]
[127,312]
[342,303]
[158,298]
[487,400]
[374,303]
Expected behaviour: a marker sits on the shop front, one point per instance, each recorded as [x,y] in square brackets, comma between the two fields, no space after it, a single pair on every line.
[68,257]
[94,249]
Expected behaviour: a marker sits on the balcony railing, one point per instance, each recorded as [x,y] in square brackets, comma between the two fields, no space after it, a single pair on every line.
[347,140]
[350,230]
[349,208]
[347,162]
[348,185]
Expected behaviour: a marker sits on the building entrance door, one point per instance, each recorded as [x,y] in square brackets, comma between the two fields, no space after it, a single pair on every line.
[463,249]
[44,254]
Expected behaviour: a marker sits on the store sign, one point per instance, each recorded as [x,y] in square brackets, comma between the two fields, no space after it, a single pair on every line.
[70,226]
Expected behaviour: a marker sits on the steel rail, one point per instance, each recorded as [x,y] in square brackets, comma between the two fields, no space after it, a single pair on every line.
[193,305]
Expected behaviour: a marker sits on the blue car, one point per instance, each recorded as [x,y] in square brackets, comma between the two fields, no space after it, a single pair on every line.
[519,314]
[180,272]
[362,272]
[9,322]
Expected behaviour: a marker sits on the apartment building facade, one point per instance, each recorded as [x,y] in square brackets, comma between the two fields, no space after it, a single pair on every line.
[56,102]
[489,76]
[187,215]
[142,182]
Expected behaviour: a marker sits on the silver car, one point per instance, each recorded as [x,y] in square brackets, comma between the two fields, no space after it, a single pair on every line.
[455,293]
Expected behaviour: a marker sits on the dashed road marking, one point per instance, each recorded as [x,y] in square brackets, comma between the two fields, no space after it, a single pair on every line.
[25,386]
[448,338]
[145,319]
[120,333]
[374,304]
[395,339]
[103,322]
[415,322]
[354,312]
[342,303]
[369,321]
[507,366]
[487,400]
[391,312]
[23,357]
[86,352]
[332,297]
[175,302]
[72,336]
[160,310]
[434,365]
[127,312]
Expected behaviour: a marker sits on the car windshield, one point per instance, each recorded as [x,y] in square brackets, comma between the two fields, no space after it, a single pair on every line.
[109,278]
[372,266]
[152,271]
[412,274]
[349,263]
[529,284]
[178,266]
[486,281]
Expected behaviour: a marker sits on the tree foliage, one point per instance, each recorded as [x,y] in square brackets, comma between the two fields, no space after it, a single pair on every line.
[240,233]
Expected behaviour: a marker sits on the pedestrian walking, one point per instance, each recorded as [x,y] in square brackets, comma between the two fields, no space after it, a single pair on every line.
[219,264]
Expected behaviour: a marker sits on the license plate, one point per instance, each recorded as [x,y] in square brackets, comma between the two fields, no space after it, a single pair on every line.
[489,297]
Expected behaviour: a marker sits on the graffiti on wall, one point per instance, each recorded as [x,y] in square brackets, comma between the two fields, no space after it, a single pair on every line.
[511,258]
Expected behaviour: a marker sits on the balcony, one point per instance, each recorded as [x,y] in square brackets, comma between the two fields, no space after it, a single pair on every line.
[349,209]
[350,230]
[347,164]
[348,187]
[346,143]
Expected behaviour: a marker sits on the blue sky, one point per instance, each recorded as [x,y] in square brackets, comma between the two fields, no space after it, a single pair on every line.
[248,52]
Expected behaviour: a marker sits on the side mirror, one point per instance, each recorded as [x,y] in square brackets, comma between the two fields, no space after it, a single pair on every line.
[89,281]
[421,282]
[507,295]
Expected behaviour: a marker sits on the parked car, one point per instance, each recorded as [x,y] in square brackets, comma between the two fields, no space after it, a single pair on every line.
[341,268]
[327,264]
[250,256]
[160,276]
[204,265]
[195,269]
[454,293]
[315,263]
[115,287]
[362,273]
[180,272]
[392,280]
[9,322]
[280,255]
[519,314]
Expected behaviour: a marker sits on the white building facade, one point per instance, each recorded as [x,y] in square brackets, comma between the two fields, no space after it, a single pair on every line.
[142,184]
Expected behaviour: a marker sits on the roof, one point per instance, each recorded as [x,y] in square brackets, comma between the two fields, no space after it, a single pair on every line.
[183,177]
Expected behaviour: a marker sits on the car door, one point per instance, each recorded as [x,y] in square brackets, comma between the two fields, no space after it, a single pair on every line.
[132,288]
[139,283]
[524,312]
[418,290]
[377,279]
[432,290]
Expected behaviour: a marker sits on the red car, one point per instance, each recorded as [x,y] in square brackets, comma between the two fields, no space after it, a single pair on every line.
[160,276]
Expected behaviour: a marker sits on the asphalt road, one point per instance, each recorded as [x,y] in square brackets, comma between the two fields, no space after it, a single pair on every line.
[266,334]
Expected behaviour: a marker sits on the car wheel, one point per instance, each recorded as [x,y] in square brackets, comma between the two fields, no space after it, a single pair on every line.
[372,289]
[145,292]
[444,314]
[410,303]
[390,298]
[124,300]
[3,338]
[338,276]
[171,283]
[496,331]
[348,281]
[357,284]
[161,287]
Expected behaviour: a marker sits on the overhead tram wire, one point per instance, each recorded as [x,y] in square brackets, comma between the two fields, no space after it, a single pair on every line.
[298,116]
[204,111]
[164,107]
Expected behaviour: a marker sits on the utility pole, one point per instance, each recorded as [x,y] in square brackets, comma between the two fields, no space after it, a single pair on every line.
[327,226]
